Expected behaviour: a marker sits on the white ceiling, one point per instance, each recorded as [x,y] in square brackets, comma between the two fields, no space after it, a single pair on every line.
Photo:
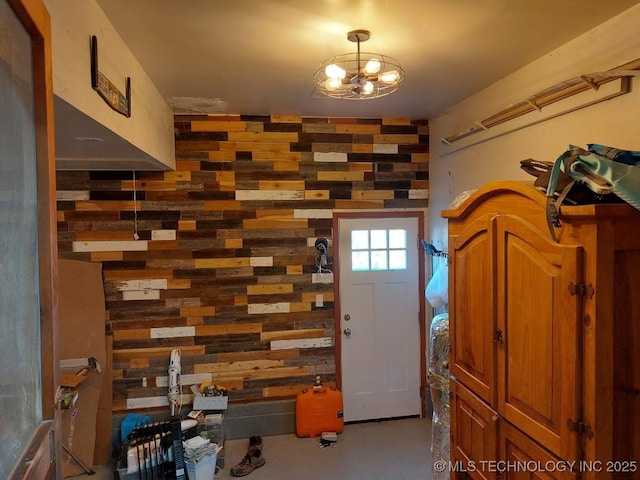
[258,57]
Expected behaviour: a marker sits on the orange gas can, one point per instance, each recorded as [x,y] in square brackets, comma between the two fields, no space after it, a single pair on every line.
[318,410]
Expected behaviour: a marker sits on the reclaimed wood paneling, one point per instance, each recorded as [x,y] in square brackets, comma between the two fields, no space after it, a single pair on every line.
[224,268]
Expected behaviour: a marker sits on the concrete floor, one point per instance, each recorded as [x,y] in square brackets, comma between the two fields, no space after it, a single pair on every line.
[386,450]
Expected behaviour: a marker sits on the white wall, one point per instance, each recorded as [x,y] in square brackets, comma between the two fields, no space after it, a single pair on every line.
[615,122]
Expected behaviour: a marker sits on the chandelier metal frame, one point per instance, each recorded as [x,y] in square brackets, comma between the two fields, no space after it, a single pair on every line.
[360,75]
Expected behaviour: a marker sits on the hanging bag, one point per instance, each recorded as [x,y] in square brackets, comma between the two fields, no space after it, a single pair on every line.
[437,291]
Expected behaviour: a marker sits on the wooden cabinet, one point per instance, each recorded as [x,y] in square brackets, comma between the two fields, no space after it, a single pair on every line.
[544,335]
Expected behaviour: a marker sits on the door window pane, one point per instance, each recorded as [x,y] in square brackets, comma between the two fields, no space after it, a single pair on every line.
[378,239]
[360,261]
[359,239]
[379,260]
[397,239]
[398,259]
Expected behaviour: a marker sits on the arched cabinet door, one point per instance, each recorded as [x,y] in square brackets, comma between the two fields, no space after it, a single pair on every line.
[539,329]
[472,307]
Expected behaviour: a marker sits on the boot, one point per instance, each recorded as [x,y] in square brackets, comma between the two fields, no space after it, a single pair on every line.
[252,460]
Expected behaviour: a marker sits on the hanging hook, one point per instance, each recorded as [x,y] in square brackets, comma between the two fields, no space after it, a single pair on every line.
[430,249]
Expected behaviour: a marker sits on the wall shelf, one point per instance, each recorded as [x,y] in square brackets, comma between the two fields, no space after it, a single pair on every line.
[551,95]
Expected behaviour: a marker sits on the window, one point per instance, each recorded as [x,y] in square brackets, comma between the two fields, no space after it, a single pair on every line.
[19,296]
[28,258]
[373,250]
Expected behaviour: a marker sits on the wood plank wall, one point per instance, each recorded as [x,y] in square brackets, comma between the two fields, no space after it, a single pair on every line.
[224,267]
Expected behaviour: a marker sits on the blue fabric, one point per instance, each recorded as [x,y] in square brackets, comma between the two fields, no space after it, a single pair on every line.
[131,422]
[623,156]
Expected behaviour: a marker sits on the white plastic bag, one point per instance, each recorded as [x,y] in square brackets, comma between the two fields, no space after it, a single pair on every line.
[437,291]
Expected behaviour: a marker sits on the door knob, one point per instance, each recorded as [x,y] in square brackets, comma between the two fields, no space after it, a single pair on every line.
[347,317]
[347,332]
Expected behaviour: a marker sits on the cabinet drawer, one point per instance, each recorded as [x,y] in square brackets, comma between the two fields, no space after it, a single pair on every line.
[525,459]
[473,432]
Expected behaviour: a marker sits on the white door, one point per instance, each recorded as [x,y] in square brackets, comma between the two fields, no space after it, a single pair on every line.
[379,317]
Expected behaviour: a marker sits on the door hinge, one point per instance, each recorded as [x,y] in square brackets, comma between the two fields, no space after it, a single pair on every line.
[581,289]
[580,428]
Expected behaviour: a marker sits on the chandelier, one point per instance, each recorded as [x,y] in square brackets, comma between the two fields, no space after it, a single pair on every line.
[358,75]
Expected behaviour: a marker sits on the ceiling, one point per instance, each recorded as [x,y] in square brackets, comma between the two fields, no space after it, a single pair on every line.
[258,57]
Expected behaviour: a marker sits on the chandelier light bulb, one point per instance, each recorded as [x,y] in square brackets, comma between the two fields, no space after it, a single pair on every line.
[389,77]
[372,66]
[367,88]
[334,71]
[333,83]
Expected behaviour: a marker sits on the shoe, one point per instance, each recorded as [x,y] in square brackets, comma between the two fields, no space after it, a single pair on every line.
[252,460]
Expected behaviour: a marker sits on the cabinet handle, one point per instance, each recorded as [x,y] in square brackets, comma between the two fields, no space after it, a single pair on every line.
[497,338]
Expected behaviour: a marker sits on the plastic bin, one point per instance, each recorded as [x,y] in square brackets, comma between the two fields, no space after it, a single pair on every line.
[213,429]
[205,469]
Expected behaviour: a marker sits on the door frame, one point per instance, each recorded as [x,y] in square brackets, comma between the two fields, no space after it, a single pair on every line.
[41,457]
[420,216]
